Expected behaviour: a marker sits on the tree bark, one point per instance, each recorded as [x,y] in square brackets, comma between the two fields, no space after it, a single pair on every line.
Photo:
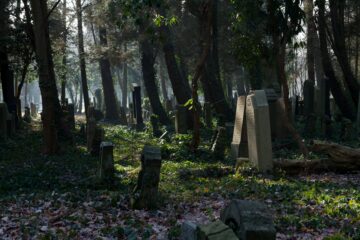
[51,105]
[148,69]
[64,59]
[84,84]
[111,108]
[346,106]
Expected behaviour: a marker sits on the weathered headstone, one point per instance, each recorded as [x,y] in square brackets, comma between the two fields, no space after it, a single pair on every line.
[3,121]
[27,115]
[239,145]
[259,132]
[249,220]
[216,231]
[146,192]
[154,120]
[207,114]
[219,145]
[107,169]
[188,231]
[181,125]
[33,110]
[137,107]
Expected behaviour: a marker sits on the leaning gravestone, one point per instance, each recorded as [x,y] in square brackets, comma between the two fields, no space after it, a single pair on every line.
[216,231]
[249,220]
[259,132]
[239,145]
[181,125]
[3,121]
[146,191]
[107,169]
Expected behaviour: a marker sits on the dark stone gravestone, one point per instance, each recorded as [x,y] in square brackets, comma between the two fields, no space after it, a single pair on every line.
[219,145]
[146,191]
[27,115]
[239,144]
[259,132]
[216,231]
[181,120]
[107,169]
[3,121]
[249,220]
[137,107]
[207,114]
[154,120]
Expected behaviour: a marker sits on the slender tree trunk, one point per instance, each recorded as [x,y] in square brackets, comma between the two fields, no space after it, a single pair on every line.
[148,69]
[163,79]
[111,109]
[84,84]
[51,105]
[64,60]
[346,106]
[125,82]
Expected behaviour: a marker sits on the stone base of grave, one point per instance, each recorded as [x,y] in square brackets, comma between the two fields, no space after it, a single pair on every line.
[249,220]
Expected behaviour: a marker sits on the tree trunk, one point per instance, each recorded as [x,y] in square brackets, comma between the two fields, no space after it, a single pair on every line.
[147,64]
[84,84]
[111,108]
[64,60]
[124,89]
[346,106]
[339,47]
[51,105]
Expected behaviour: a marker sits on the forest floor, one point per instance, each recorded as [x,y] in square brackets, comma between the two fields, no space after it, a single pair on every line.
[60,197]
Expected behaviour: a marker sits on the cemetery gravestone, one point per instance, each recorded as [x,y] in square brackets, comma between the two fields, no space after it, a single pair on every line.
[146,192]
[259,132]
[239,145]
[188,231]
[181,125]
[137,107]
[216,231]
[249,220]
[3,121]
[107,169]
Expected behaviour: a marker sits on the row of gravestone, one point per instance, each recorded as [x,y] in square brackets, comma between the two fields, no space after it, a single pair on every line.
[241,219]
[260,118]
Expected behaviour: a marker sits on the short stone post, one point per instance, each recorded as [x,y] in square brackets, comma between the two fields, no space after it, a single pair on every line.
[181,125]
[107,169]
[259,132]
[146,191]
[249,220]
[3,121]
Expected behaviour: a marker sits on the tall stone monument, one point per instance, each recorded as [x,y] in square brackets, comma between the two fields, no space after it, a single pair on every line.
[259,132]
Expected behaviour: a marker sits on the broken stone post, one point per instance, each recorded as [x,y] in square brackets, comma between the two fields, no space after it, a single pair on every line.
[107,169]
[249,220]
[3,121]
[146,191]
[219,145]
[216,231]
[181,125]
[239,144]
[137,107]
[259,132]
[207,115]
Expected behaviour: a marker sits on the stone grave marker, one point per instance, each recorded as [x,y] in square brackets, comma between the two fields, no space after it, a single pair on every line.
[181,120]
[33,110]
[188,231]
[137,107]
[249,220]
[3,121]
[107,169]
[146,192]
[219,144]
[98,101]
[239,144]
[27,115]
[259,132]
[216,231]
[207,114]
